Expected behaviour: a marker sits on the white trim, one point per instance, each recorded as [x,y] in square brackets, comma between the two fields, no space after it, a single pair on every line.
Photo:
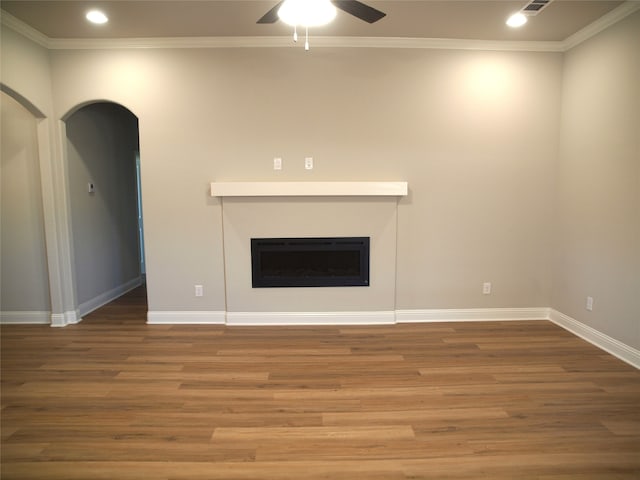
[70,317]
[57,228]
[168,42]
[616,348]
[186,318]
[437,44]
[106,297]
[34,317]
[318,42]
[311,318]
[604,22]
[284,189]
[471,315]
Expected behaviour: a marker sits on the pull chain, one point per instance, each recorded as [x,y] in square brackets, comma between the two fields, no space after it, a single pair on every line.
[306,39]
[295,33]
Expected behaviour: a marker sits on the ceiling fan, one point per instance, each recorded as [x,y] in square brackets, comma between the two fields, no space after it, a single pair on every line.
[352,7]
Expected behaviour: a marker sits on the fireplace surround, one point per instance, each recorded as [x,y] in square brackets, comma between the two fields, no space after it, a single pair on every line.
[260,210]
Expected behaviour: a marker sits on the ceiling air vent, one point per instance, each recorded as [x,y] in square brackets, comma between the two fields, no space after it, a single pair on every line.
[534,7]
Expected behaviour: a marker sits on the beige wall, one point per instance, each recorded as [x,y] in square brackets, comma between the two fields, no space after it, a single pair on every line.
[26,69]
[24,278]
[598,221]
[474,133]
[480,163]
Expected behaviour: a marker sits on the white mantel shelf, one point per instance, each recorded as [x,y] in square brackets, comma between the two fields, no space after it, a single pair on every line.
[308,189]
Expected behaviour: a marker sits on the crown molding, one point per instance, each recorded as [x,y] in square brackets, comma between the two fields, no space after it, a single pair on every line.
[619,13]
[434,43]
[614,16]
[23,29]
[286,42]
[167,42]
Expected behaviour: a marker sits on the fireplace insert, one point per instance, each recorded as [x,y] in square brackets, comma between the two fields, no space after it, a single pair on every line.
[310,262]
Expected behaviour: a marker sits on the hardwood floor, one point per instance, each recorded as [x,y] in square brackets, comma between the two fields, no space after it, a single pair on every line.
[115,398]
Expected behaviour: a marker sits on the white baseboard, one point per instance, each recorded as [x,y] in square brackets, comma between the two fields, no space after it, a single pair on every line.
[106,297]
[25,318]
[616,348]
[471,315]
[311,318]
[346,318]
[186,318]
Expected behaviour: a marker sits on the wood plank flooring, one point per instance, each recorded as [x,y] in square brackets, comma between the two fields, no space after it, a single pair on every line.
[114,398]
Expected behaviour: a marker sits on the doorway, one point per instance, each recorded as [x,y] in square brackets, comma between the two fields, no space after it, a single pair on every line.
[103,163]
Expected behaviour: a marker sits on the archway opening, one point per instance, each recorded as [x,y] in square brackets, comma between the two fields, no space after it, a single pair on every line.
[105,202]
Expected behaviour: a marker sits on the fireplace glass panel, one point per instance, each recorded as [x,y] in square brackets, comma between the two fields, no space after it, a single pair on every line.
[310,262]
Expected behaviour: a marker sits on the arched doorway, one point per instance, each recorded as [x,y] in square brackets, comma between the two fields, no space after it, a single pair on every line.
[102,158]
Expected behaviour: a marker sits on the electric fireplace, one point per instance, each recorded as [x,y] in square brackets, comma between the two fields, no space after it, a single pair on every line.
[310,262]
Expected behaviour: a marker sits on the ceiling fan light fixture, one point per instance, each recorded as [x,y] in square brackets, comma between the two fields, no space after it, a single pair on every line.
[307,13]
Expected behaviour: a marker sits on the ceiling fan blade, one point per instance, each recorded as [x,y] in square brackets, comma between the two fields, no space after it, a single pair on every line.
[272,15]
[360,10]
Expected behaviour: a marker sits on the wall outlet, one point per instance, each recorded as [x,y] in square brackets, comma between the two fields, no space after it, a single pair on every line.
[308,163]
[277,163]
[589,305]
[486,288]
[199,290]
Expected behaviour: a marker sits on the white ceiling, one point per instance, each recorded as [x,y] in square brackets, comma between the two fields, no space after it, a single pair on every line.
[448,19]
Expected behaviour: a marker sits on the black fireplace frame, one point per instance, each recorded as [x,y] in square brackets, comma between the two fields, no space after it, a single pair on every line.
[261,248]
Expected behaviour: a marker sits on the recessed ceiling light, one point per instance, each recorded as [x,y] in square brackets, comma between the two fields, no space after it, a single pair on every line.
[517,20]
[96,16]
